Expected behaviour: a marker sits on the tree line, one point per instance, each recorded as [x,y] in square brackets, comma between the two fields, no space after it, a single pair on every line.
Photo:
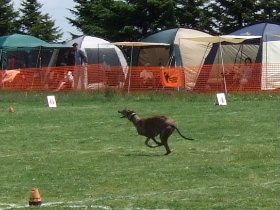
[132,20]
[28,20]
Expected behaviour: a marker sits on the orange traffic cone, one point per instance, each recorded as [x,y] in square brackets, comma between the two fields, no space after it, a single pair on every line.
[35,198]
[11,109]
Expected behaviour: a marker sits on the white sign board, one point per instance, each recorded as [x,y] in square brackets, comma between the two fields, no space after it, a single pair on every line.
[51,101]
[221,99]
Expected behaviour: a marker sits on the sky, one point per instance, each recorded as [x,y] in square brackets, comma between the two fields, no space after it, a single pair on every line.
[58,11]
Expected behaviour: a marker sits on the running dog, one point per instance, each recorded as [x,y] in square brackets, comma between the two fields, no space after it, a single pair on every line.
[153,126]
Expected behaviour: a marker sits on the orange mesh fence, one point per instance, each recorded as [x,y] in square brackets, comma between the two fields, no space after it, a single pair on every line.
[232,77]
[153,78]
[206,78]
[61,78]
[97,77]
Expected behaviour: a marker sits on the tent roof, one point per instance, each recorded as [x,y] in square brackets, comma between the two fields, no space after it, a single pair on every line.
[139,44]
[172,36]
[266,30]
[180,52]
[20,40]
[89,42]
[166,36]
[25,41]
[224,38]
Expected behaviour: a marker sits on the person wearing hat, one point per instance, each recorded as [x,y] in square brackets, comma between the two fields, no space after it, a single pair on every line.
[80,71]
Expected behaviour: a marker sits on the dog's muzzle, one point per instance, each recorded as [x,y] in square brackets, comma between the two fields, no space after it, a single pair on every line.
[122,114]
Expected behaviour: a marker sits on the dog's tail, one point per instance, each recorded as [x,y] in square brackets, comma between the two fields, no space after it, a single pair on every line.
[182,134]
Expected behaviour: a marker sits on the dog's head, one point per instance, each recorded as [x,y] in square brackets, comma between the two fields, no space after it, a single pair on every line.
[126,113]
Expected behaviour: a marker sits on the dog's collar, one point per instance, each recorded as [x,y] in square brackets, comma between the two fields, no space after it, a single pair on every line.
[132,115]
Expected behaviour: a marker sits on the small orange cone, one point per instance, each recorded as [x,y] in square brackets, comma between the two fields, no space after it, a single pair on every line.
[35,198]
[11,109]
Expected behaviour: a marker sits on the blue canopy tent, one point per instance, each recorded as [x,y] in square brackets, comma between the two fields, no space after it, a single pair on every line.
[268,53]
[264,50]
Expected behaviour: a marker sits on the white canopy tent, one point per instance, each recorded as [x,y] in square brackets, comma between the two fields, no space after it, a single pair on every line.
[101,51]
[89,43]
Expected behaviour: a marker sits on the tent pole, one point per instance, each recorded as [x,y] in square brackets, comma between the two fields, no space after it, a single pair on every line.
[1,59]
[204,55]
[2,72]
[240,61]
[266,61]
[128,89]
[38,63]
[240,49]
[99,69]
[224,78]
[99,72]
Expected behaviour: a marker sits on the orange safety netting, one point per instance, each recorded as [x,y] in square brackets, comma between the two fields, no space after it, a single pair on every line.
[227,77]
[153,78]
[62,78]
[205,78]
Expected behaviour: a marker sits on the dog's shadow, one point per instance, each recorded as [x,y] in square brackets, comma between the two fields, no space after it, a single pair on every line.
[144,155]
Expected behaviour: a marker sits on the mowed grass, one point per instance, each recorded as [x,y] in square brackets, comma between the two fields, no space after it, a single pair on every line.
[82,155]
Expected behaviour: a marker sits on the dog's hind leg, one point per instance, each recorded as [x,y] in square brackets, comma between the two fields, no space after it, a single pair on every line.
[146,142]
[164,138]
[165,144]
[158,143]
[168,151]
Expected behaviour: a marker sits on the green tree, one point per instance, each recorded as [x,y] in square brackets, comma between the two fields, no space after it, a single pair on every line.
[123,20]
[229,15]
[103,18]
[131,20]
[189,13]
[268,10]
[8,18]
[34,23]
[154,15]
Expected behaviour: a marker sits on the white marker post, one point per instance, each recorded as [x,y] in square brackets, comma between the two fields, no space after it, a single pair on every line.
[51,101]
[221,99]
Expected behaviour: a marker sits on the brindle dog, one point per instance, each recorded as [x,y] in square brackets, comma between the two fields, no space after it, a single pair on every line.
[152,127]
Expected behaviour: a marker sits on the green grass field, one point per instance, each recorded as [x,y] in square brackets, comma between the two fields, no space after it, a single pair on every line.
[82,155]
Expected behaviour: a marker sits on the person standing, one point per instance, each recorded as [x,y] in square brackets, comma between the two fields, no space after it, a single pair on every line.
[12,62]
[80,70]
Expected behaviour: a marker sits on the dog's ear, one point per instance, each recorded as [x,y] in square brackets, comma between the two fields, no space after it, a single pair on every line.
[130,111]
